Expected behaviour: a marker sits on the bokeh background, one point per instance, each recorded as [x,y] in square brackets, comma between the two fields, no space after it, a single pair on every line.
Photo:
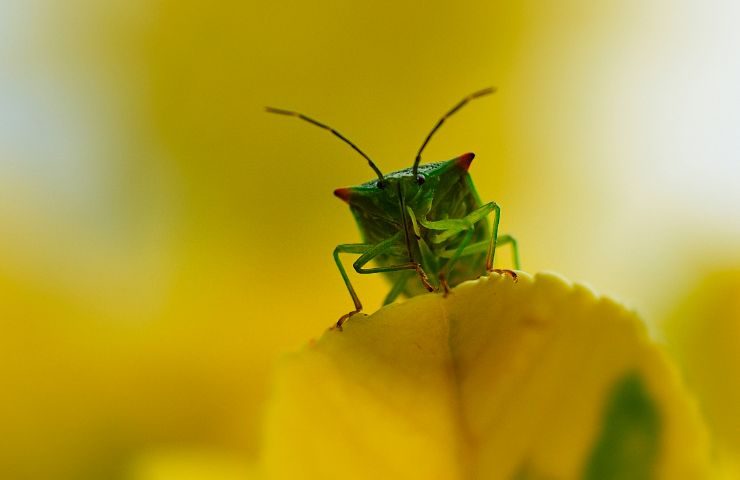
[162,240]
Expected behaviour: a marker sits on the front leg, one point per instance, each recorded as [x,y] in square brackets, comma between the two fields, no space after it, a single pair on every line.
[508,239]
[369,252]
[357,248]
[480,247]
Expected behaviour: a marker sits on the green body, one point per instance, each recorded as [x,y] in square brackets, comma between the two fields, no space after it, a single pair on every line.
[447,193]
[423,236]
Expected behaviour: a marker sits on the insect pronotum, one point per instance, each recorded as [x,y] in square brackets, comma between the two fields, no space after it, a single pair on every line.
[424,226]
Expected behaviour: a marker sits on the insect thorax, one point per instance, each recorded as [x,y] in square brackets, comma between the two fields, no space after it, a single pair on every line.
[445,194]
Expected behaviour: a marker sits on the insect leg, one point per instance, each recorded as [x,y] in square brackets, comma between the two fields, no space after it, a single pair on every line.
[394,268]
[349,248]
[508,239]
[384,247]
[453,259]
[454,226]
[494,237]
[368,252]
[480,247]
[496,210]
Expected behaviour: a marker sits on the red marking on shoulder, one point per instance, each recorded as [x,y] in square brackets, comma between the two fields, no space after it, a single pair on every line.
[343,193]
[464,161]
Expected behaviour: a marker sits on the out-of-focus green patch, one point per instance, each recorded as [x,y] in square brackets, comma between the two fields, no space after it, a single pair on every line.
[630,439]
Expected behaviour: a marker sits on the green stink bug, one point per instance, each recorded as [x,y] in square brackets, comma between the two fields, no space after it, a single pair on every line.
[424,226]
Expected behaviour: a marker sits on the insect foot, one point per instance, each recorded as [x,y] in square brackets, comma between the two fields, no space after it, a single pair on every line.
[343,319]
[424,278]
[504,271]
[444,286]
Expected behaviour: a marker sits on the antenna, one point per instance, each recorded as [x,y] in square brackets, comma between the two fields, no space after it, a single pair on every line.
[326,127]
[480,93]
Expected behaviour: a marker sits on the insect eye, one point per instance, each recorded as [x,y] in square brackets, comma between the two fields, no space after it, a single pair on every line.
[380,185]
[420,179]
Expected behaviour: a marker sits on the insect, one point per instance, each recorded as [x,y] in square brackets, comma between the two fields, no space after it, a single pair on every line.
[425,227]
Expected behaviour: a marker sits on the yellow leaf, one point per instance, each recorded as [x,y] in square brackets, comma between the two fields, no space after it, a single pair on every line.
[534,379]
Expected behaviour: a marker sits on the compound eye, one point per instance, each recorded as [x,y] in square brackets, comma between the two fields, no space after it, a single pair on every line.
[380,184]
[420,179]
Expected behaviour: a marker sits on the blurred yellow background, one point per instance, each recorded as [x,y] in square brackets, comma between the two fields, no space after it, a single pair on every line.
[163,240]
